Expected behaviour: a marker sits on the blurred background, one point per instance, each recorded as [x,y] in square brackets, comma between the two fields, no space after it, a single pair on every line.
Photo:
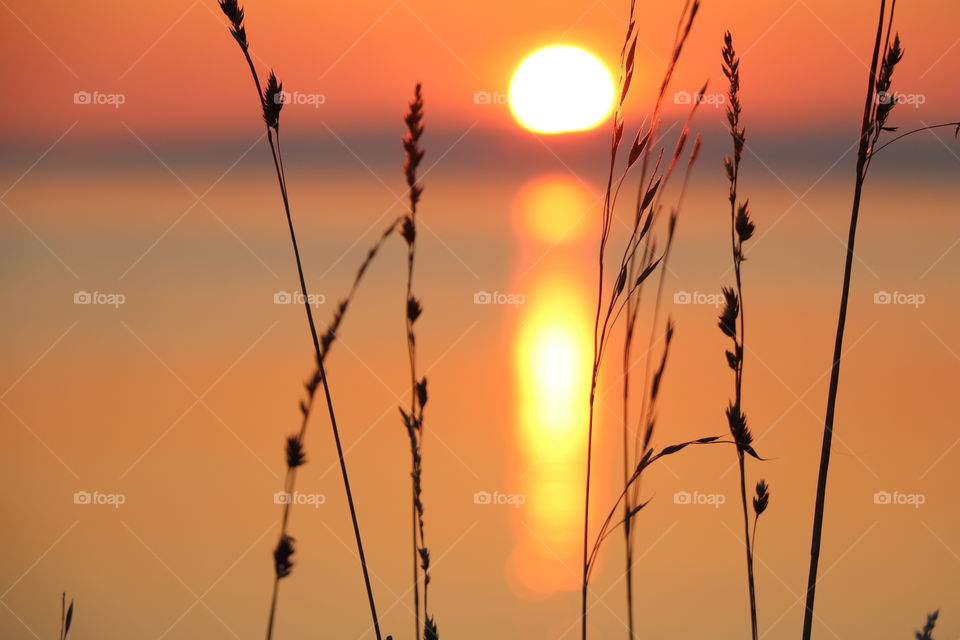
[153,360]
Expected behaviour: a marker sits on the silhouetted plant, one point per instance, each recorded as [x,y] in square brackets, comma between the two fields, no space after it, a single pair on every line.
[413,418]
[927,632]
[66,616]
[742,229]
[637,438]
[878,105]
[631,273]
[271,100]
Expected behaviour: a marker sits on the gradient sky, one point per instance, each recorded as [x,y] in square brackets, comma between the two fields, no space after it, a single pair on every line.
[180,398]
[182,80]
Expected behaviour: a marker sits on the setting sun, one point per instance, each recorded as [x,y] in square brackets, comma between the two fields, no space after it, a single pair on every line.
[555,331]
[561,89]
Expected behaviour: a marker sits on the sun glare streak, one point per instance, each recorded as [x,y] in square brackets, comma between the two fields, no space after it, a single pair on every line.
[551,360]
[552,363]
[552,352]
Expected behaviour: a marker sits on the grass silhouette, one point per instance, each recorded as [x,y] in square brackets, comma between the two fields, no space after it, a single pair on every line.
[742,229]
[413,418]
[637,264]
[878,105]
[618,297]
[927,632]
[66,616]
[271,99]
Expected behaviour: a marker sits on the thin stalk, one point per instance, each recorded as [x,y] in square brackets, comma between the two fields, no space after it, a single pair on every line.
[597,345]
[272,105]
[416,569]
[632,310]
[749,548]
[586,500]
[417,443]
[627,531]
[914,131]
[327,396]
[295,444]
[626,271]
[733,318]
[273,608]
[737,251]
[649,458]
[414,421]
[862,160]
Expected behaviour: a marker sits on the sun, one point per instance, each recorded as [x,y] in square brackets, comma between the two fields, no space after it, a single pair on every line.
[559,89]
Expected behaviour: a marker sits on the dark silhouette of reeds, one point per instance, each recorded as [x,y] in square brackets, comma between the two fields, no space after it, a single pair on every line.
[632,451]
[645,461]
[271,100]
[870,126]
[878,105]
[631,275]
[761,500]
[66,616]
[627,61]
[330,335]
[642,264]
[638,263]
[413,418]
[927,632]
[742,229]
[295,455]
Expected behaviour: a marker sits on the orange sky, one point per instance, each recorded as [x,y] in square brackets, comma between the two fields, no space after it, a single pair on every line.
[182,76]
[180,398]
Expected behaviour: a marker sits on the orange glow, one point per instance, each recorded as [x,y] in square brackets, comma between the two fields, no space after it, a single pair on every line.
[555,209]
[156,47]
[552,358]
[560,89]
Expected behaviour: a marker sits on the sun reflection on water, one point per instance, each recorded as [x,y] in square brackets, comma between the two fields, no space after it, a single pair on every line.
[553,347]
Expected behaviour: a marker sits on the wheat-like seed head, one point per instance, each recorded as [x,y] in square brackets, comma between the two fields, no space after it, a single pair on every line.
[234,13]
[282,555]
[413,154]
[738,427]
[272,102]
[295,454]
[886,100]
[731,310]
[744,224]
[927,632]
[762,498]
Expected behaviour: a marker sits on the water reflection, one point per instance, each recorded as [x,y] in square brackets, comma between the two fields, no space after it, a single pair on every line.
[552,351]
[550,210]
